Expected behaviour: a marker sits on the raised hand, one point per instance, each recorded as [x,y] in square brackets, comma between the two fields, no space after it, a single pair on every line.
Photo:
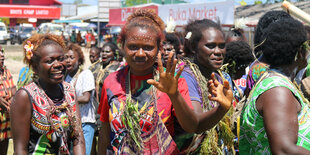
[167,83]
[220,93]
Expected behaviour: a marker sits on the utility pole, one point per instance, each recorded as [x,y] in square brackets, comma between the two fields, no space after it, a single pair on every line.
[98,27]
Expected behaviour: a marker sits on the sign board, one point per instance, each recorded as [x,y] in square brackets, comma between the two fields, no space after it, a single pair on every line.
[118,16]
[182,13]
[68,10]
[23,11]
[105,5]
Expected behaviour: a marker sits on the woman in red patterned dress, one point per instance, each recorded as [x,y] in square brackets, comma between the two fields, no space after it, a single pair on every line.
[44,115]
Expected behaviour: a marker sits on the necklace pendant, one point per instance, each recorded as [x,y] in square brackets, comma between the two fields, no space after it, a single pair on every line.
[64,120]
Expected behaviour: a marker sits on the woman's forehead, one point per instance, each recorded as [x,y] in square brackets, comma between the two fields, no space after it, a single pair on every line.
[71,52]
[138,33]
[107,48]
[212,34]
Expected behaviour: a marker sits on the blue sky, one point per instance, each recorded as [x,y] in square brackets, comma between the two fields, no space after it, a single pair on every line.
[90,2]
[95,2]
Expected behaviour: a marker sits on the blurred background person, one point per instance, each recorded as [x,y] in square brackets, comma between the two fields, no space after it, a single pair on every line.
[7,90]
[84,84]
[94,55]
[235,34]
[73,37]
[79,39]
[170,44]
[90,39]
[238,57]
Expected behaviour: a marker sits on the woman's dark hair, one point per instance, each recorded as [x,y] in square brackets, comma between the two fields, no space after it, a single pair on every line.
[238,53]
[180,37]
[263,23]
[283,39]
[196,28]
[307,27]
[113,46]
[172,39]
[76,48]
[96,49]
[235,32]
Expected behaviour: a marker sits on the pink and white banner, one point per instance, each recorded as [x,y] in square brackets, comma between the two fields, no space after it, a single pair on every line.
[182,13]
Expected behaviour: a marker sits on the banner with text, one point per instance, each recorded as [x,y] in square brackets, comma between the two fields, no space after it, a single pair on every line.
[24,11]
[117,17]
[182,13]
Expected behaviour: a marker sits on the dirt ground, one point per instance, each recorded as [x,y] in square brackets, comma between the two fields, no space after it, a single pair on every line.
[14,62]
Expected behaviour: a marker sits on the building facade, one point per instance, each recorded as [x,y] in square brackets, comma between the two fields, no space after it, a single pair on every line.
[15,12]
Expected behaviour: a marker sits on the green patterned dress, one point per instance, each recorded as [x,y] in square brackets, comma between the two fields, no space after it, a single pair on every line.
[253,137]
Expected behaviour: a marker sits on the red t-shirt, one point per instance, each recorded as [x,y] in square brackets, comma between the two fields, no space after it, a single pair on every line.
[114,95]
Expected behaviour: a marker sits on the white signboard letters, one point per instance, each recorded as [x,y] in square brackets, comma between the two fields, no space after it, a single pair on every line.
[182,13]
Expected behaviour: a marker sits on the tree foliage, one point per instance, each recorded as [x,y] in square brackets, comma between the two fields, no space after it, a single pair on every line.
[78,1]
[136,2]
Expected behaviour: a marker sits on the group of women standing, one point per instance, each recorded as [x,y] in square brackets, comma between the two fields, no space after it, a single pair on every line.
[182,108]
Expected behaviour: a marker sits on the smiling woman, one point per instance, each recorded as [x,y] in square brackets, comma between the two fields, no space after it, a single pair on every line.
[84,84]
[205,44]
[140,103]
[44,115]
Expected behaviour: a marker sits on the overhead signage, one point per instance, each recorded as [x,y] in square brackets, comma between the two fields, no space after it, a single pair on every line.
[182,13]
[21,11]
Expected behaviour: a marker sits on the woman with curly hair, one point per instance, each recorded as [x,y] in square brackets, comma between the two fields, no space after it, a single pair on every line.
[44,115]
[260,65]
[238,57]
[141,103]
[84,84]
[275,119]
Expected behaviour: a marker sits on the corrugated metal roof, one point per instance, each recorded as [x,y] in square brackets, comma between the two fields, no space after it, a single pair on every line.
[254,12]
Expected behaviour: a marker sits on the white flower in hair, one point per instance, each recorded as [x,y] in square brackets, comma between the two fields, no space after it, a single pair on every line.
[188,35]
[241,23]
[170,25]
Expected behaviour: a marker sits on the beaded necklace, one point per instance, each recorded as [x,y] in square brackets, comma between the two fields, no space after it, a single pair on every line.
[58,106]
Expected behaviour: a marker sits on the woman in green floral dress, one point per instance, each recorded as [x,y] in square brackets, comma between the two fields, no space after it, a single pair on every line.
[276,117]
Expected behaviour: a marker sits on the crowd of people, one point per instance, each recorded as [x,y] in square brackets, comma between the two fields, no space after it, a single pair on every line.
[88,40]
[201,91]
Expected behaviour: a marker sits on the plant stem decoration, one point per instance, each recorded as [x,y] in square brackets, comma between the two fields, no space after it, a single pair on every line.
[131,118]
